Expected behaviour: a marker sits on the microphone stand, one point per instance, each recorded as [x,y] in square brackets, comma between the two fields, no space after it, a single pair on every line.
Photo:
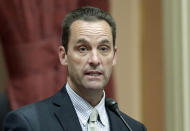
[112,105]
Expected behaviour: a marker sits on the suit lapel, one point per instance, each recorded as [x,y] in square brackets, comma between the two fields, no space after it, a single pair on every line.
[65,113]
[116,124]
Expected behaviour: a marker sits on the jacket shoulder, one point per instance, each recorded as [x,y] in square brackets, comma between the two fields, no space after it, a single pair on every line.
[26,118]
[134,124]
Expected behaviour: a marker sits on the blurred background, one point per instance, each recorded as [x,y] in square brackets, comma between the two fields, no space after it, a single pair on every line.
[151,81]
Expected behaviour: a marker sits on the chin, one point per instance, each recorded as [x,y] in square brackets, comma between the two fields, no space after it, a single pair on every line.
[94,85]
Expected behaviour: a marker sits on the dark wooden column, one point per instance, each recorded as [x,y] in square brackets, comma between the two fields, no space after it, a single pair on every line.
[152,65]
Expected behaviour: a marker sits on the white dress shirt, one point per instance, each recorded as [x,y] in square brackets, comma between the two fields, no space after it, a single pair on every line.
[84,109]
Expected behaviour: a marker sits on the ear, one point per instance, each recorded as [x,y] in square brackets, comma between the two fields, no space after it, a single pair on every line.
[115,56]
[62,56]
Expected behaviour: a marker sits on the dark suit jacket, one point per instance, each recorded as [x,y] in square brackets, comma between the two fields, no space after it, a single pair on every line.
[58,114]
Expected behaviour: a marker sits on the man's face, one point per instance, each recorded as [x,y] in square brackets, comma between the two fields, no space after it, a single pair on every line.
[90,55]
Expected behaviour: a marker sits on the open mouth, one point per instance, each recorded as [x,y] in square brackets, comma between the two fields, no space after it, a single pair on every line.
[93,73]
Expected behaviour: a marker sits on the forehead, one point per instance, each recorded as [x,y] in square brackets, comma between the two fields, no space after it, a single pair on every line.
[91,28]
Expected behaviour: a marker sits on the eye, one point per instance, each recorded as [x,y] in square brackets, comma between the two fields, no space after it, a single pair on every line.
[104,48]
[82,49]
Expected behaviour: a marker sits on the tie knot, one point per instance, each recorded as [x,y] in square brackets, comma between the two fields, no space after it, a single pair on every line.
[93,116]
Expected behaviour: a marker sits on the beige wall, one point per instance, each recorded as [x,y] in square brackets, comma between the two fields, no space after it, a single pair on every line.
[127,71]
[139,71]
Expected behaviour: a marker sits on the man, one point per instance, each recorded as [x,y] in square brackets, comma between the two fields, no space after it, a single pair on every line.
[89,52]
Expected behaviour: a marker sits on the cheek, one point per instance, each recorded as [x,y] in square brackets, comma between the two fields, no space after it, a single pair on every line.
[108,61]
[76,63]
[108,64]
[74,59]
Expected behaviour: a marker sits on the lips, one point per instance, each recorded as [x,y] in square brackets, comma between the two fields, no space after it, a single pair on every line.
[93,73]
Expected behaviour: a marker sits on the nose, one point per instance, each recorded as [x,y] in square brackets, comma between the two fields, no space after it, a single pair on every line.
[94,59]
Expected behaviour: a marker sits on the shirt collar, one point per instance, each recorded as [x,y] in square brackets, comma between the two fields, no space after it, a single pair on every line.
[84,109]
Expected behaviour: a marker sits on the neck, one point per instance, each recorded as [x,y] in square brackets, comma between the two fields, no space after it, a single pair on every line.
[93,97]
[93,101]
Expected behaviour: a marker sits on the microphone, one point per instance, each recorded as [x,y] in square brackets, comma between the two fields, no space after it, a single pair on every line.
[112,105]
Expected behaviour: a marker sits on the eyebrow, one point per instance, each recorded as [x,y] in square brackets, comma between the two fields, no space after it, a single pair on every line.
[105,41]
[82,40]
